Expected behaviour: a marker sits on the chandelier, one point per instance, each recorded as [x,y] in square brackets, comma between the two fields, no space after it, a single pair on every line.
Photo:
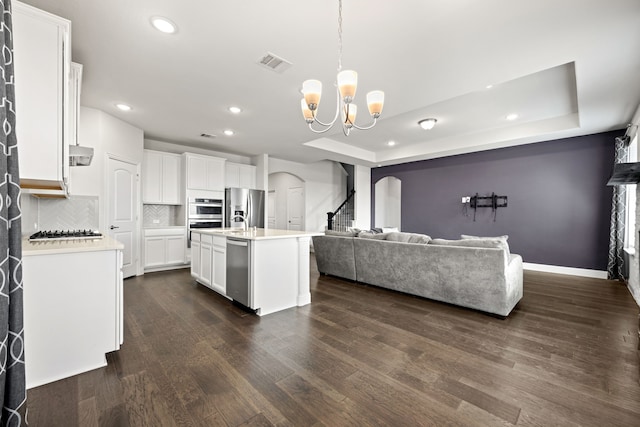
[347,82]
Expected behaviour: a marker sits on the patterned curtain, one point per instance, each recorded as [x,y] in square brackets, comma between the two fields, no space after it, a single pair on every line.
[618,214]
[12,378]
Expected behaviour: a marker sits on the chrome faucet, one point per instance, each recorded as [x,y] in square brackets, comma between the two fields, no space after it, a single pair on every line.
[245,225]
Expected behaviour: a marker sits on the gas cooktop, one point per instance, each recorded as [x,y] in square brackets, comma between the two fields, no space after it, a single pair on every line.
[65,235]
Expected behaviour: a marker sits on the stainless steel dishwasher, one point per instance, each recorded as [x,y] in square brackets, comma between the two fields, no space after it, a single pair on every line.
[239,271]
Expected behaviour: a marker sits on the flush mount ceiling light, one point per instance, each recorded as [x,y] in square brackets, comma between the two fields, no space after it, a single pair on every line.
[512,116]
[164,25]
[123,107]
[427,124]
[235,110]
[391,143]
[347,81]
[228,132]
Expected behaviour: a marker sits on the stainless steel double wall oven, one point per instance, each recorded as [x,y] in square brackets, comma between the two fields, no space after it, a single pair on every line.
[204,213]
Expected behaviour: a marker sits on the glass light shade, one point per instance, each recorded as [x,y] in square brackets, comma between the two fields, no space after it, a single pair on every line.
[347,84]
[312,90]
[427,124]
[306,112]
[375,102]
[349,112]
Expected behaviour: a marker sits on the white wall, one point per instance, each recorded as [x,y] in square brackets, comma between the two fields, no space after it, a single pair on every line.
[280,182]
[107,135]
[362,185]
[325,188]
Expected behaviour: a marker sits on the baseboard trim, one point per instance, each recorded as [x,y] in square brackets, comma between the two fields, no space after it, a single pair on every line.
[571,271]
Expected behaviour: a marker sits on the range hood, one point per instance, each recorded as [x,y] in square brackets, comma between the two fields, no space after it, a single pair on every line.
[80,156]
[625,174]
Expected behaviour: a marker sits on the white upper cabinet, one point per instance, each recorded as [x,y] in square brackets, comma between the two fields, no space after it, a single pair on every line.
[204,172]
[238,175]
[75,88]
[161,178]
[42,57]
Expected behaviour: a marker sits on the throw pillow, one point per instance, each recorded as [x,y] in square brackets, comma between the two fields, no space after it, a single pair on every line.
[468,237]
[420,238]
[399,237]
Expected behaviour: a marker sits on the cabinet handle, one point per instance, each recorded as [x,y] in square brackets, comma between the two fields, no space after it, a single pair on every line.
[113,226]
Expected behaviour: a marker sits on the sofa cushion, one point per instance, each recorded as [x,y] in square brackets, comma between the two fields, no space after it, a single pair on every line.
[501,239]
[340,233]
[476,243]
[408,237]
[377,236]
[420,238]
[334,255]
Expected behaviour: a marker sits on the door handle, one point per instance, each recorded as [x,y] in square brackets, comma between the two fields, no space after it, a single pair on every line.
[112,227]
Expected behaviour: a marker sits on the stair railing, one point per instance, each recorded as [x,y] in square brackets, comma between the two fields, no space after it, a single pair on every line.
[341,218]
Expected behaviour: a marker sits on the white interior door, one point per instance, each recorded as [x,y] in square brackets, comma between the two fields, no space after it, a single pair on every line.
[295,209]
[271,210]
[122,202]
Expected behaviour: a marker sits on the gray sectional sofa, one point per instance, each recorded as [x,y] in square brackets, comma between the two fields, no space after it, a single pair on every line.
[478,273]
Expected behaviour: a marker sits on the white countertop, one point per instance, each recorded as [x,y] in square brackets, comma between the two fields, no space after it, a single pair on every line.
[259,234]
[69,246]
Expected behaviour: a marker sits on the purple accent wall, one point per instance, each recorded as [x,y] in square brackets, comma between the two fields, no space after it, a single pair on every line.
[558,202]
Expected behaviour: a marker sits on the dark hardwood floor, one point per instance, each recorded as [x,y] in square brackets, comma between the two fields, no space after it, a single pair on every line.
[360,356]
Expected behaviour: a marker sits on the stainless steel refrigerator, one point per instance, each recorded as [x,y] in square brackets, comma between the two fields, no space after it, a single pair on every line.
[246,203]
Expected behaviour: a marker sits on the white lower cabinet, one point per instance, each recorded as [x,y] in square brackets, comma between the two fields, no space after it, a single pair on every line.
[196,272]
[206,260]
[209,261]
[164,247]
[219,276]
[72,312]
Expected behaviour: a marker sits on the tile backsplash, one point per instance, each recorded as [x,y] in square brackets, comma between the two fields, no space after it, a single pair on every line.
[77,212]
[161,216]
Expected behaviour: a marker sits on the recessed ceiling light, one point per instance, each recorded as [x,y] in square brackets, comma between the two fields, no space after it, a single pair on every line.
[512,116]
[228,132]
[164,25]
[235,110]
[391,143]
[489,86]
[123,107]
[427,124]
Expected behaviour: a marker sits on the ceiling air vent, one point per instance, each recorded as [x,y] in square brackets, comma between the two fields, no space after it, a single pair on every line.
[274,62]
[207,135]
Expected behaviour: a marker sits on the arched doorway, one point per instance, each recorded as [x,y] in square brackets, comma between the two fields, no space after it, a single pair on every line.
[288,192]
[388,195]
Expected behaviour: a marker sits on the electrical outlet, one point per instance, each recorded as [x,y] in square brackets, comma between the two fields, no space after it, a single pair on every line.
[466,199]
[156,221]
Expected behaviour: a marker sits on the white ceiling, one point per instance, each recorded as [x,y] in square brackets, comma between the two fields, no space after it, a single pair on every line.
[568,68]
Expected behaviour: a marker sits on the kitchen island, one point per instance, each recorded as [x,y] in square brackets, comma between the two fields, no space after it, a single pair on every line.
[73,306]
[268,268]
